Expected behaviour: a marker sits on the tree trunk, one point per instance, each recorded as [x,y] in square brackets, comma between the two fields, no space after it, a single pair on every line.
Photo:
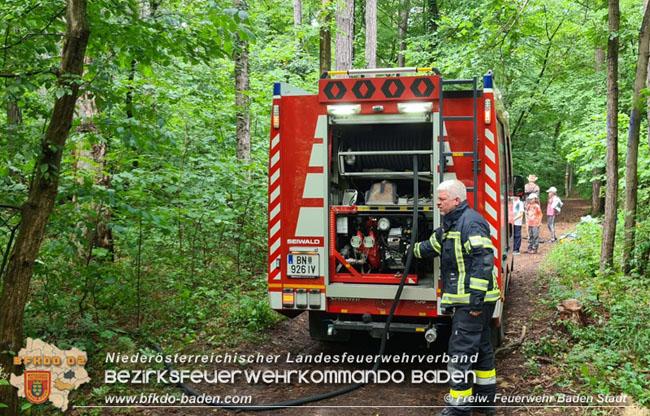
[431,27]
[128,100]
[647,84]
[14,119]
[325,42]
[433,14]
[14,114]
[371,34]
[241,96]
[98,235]
[611,195]
[40,201]
[297,12]
[95,231]
[344,35]
[631,161]
[297,22]
[597,200]
[568,181]
[402,31]
[556,134]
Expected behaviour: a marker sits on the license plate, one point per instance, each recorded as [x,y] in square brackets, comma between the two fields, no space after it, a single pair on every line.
[305,265]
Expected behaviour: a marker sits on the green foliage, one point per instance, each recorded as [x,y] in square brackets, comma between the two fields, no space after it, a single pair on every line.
[186,221]
[607,354]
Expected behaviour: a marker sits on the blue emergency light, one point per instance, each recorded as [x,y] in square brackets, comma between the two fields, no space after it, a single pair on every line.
[487,79]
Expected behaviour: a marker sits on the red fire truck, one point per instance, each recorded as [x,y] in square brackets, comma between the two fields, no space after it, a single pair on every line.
[341,194]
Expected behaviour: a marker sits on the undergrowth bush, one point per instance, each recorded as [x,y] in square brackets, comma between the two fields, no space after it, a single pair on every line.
[610,353]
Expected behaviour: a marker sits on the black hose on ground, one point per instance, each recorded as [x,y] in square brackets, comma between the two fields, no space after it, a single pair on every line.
[384,338]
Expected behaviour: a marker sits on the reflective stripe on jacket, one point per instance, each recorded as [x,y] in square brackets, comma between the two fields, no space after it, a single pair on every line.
[467,258]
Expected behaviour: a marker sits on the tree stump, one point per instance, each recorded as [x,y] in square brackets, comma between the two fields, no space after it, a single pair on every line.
[571,310]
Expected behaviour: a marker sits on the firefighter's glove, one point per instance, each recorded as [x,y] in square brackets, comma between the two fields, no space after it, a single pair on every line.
[476,304]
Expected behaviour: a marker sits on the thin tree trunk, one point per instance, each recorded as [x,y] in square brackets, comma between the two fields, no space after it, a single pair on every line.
[371,33]
[40,201]
[241,96]
[647,84]
[556,134]
[431,26]
[14,119]
[128,101]
[297,22]
[14,114]
[631,161]
[611,196]
[344,34]
[402,31]
[297,13]
[433,14]
[325,42]
[99,235]
[568,180]
[597,200]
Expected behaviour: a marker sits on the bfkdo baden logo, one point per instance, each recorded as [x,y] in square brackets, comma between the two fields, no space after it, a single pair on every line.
[50,373]
[37,386]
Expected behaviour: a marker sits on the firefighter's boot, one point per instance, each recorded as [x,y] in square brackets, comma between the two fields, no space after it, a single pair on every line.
[487,410]
[485,384]
[449,411]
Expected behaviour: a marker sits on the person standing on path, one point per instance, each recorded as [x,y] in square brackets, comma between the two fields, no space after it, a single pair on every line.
[552,210]
[518,212]
[465,247]
[530,188]
[533,220]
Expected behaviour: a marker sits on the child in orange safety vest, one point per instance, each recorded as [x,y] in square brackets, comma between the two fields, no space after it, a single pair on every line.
[533,220]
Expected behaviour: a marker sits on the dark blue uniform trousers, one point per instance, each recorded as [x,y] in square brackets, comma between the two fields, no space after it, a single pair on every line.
[470,335]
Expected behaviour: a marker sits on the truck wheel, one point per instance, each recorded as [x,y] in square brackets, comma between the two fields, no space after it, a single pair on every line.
[318,324]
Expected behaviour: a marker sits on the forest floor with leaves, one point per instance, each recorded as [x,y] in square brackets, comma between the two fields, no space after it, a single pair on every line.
[522,369]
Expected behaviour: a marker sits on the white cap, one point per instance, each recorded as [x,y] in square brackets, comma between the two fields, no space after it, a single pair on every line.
[552,189]
[532,196]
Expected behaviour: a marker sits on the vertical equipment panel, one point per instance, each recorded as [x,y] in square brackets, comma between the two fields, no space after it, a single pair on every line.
[297,194]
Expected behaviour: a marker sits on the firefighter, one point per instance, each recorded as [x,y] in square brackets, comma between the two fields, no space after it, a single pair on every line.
[470,291]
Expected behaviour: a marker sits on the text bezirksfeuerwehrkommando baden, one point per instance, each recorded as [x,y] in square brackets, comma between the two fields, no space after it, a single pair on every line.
[279,375]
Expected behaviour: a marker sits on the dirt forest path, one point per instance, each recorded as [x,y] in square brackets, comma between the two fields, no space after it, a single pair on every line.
[292,336]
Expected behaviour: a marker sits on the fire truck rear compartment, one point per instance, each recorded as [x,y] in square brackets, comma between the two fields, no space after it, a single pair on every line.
[371,194]
[384,152]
